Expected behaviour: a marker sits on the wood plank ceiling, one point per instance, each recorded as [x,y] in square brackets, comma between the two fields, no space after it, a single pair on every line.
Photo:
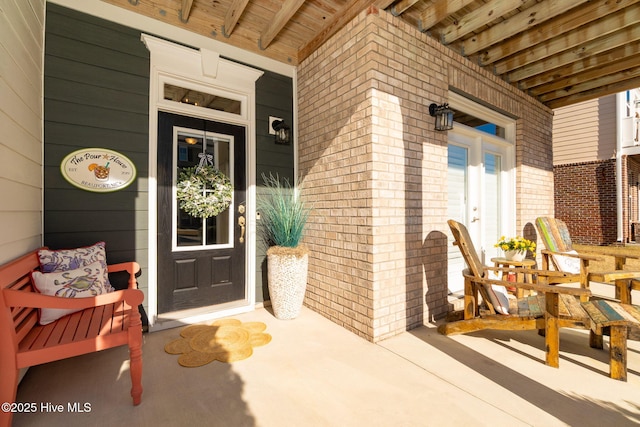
[559,51]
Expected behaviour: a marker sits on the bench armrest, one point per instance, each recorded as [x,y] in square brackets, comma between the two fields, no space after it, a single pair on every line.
[538,273]
[130,267]
[586,257]
[13,298]
[554,289]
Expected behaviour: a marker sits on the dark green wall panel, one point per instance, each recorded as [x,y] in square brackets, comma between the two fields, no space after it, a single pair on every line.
[274,97]
[96,91]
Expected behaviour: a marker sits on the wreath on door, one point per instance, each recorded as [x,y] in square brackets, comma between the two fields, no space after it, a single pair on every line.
[204,191]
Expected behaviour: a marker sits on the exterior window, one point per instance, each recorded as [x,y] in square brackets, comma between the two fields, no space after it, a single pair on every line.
[479,124]
[201,99]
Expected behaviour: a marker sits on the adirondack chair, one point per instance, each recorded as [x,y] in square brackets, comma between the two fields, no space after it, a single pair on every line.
[561,256]
[552,308]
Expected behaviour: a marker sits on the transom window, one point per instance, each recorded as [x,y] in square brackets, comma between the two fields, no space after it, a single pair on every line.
[201,99]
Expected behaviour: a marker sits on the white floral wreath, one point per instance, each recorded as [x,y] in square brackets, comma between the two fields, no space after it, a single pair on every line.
[204,191]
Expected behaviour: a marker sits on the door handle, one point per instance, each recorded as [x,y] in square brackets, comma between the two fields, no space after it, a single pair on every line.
[242,222]
[474,219]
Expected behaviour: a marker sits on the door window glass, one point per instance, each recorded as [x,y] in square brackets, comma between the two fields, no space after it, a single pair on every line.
[192,147]
[493,202]
[456,209]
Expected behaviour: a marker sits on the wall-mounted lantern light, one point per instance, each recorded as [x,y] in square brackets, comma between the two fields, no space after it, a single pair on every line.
[282,132]
[443,115]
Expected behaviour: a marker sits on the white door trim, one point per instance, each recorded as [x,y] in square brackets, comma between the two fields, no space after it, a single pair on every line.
[202,70]
[506,145]
[477,143]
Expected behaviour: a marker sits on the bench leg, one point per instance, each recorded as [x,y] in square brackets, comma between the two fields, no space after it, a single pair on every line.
[135,355]
[595,340]
[623,291]
[552,331]
[618,353]
[8,389]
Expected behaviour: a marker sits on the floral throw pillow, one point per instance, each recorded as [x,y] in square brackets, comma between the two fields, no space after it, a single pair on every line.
[71,259]
[86,281]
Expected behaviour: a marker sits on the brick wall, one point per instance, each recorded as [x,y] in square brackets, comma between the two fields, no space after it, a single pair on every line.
[633,184]
[585,198]
[377,171]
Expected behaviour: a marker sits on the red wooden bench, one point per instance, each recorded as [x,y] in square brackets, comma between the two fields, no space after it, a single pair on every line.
[105,321]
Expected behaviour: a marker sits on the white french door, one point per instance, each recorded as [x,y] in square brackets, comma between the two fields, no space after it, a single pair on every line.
[480,183]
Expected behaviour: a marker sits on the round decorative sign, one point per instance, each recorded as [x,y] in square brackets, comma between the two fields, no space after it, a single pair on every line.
[98,169]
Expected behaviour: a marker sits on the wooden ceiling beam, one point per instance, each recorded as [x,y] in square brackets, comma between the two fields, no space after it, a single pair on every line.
[567,84]
[383,4]
[571,20]
[478,18]
[402,6]
[340,19]
[439,10]
[185,10]
[565,75]
[591,48]
[598,92]
[587,85]
[233,15]
[524,20]
[546,50]
[608,24]
[286,12]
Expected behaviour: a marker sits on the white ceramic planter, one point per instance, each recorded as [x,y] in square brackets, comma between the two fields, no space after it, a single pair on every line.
[287,281]
[515,255]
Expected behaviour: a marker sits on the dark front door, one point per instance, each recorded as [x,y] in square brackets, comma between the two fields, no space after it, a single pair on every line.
[201,262]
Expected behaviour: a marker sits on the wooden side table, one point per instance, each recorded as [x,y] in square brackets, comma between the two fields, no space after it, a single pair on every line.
[521,277]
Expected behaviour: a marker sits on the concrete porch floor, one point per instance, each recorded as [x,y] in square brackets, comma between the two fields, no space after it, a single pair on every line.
[315,373]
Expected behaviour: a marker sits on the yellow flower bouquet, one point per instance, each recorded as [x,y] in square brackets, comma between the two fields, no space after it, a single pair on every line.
[515,247]
[515,244]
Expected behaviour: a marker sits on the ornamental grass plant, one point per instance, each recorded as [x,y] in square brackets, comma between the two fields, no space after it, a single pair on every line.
[283,213]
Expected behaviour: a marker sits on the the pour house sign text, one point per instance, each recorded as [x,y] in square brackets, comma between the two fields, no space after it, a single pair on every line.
[98,169]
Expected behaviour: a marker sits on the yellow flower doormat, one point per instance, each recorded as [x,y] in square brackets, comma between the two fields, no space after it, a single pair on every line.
[227,340]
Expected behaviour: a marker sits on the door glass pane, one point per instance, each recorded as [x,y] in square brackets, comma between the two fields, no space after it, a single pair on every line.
[456,209]
[492,203]
[195,232]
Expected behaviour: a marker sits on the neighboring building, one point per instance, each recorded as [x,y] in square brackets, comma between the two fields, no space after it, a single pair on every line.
[596,159]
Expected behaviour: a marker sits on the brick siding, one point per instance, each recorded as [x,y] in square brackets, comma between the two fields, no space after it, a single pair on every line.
[585,198]
[376,171]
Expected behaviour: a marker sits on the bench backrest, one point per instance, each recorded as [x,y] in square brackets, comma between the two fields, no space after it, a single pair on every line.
[16,275]
[462,240]
[554,233]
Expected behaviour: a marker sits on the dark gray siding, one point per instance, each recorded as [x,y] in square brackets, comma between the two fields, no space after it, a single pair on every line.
[96,95]
[274,95]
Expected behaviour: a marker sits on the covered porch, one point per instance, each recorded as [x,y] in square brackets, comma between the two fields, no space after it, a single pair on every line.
[377,170]
[316,373]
